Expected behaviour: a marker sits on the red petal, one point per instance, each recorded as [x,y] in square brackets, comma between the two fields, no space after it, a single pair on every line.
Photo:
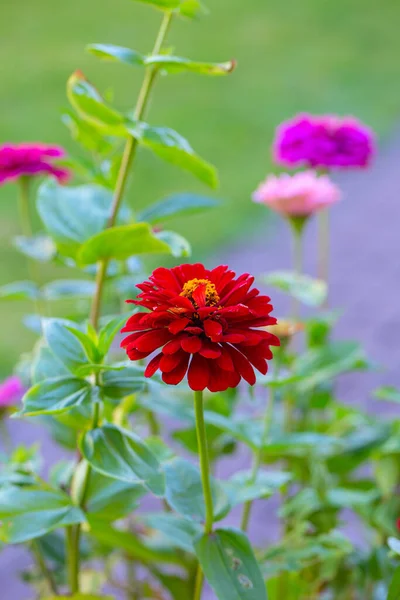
[243,366]
[199,373]
[152,340]
[213,329]
[191,344]
[176,375]
[169,362]
[225,361]
[153,365]
[178,325]
[134,354]
[210,350]
[172,346]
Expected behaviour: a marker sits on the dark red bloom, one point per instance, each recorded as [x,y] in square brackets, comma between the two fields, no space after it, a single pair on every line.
[207,325]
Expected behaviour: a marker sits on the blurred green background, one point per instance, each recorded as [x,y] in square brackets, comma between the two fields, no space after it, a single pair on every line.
[312,55]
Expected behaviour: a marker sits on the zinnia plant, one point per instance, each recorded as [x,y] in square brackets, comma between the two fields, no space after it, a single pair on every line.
[176,434]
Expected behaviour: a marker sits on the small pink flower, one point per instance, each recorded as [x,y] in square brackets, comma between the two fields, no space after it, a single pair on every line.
[327,141]
[298,195]
[30,160]
[11,391]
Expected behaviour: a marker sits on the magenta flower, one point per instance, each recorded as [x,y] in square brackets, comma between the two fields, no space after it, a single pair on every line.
[31,160]
[298,195]
[327,141]
[11,391]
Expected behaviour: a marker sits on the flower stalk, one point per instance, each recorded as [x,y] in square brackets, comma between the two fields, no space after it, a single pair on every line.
[126,164]
[205,479]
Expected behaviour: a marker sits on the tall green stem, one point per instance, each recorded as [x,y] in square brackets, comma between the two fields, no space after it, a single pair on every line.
[257,457]
[72,548]
[297,225]
[126,164]
[205,478]
[127,160]
[323,247]
[41,563]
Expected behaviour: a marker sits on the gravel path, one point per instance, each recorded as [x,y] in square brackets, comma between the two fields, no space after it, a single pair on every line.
[365,272]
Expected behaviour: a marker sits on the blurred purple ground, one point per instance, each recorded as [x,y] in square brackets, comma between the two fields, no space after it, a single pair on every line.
[365,285]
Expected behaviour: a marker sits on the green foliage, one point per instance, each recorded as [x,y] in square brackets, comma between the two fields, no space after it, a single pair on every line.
[311,292]
[175,205]
[230,565]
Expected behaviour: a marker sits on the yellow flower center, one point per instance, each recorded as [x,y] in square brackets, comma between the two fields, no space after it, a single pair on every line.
[201,292]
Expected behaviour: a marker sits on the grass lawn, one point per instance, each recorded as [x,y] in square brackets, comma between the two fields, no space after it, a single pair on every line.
[314,55]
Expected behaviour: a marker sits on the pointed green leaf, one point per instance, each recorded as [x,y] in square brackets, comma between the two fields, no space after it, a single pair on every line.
[108,332]
[242,488]
[46,366]
[28,513]
[65,344]
[120,454]
[111,499]
[56,395]
[120,243]
[69,288]
[230,566]
[116,53]
[89,104]
[184,491]
[394,589]
[175,149]
[40,247]
[179,246]
[179,533]
[311,292]
[176,205]
[19,290]
[127,381]
[178,64]
[74,214]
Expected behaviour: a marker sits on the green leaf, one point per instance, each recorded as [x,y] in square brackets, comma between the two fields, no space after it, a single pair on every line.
[184,491]
[175,149]
[127,381]
[320,365]
[230,566]
[108,332]
[122,455]
[116,54]
[111,499]
[64,344]
[89,137]
[132,545]
[120,243]
[178,533]
[176,205]
[177,64]
[73,214]
[40,247]
[311,292]
[179,246]
[19,290]
[28,513]
[241,488]
[162,4]
[57,395]
[388,393]
[89,104]
[46,366]
[191,8]
[394,589]
[69,288]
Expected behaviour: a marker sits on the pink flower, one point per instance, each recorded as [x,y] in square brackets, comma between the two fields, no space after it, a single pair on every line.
[11,391]
[326,141]
[298,195]
[30,160]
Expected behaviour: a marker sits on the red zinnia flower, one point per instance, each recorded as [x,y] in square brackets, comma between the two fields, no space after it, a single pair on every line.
[206,324]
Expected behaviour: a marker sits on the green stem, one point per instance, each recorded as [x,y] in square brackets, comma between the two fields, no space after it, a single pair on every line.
[199,584]
[47,574]
[72,548]
[323,247]
[297,230]
[126,163]
[257,458]
[127,160]
[205,479]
